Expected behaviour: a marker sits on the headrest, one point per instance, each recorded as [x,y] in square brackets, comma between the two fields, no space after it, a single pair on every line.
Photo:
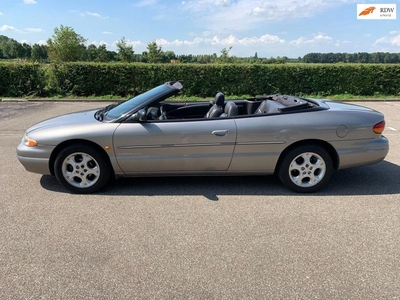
[219,99]
[231,108]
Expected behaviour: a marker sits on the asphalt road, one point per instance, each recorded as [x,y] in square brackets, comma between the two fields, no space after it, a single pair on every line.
[197,238]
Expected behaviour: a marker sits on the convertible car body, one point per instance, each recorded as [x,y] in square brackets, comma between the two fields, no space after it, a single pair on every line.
[302,141]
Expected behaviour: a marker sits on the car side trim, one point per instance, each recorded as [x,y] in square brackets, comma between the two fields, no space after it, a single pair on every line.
[175,145]
[261,143]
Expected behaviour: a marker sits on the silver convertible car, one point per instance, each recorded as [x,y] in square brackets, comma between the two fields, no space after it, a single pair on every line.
[302,141]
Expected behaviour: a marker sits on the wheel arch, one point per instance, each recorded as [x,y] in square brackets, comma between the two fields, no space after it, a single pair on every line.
[64,144]
[328,147]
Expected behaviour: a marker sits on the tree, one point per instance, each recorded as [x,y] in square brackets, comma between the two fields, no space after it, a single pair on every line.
[125,51]
[10,48]
[91,52]
[13,49]
[168,56]
[154,53]
[97,54]
[39,52]
[65,45]
[363,57]
[102,55]
[27,50]
[224,58]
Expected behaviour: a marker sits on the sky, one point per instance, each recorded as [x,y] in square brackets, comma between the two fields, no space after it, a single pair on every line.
[269,28]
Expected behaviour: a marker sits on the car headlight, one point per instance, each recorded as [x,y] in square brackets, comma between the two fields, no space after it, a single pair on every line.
[28,141]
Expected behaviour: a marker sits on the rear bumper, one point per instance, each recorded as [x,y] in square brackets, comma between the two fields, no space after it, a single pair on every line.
[363,152]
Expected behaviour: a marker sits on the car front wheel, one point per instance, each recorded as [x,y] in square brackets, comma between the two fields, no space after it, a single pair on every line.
[81,169]
[306,169]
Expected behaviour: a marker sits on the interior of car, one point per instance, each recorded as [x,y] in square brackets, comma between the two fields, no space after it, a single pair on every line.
[220,108]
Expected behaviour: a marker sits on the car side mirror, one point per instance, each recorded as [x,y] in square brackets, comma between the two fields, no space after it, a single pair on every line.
[140,116]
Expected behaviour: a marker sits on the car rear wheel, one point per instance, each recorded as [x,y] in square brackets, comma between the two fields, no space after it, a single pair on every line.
[306,169]
[81,169]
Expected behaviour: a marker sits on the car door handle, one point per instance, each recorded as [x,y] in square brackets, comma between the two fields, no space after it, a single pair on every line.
[220,132]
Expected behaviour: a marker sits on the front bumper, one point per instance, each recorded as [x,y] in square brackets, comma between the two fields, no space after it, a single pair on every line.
[35,159]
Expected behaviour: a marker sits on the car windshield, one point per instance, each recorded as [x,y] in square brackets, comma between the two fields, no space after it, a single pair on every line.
[138,102]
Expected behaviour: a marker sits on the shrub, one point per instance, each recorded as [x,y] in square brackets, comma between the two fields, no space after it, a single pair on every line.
[97,79]
[21,79]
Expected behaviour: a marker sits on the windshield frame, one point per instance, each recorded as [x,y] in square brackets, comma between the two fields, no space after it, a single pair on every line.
[125,109]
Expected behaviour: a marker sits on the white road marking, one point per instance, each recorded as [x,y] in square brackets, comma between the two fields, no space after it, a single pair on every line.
[392,129]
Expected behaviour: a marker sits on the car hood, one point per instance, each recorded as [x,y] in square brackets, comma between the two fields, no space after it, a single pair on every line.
[77,119]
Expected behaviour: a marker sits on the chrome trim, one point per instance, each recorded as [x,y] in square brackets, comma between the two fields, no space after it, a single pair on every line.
[174,145]
[260,143]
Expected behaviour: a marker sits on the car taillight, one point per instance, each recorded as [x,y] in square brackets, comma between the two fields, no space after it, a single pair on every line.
[379,127]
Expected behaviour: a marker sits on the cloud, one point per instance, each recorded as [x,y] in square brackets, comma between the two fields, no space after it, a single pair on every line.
[12,28]
[396,40]
[266,39]
[144,3]
[315,40]
[213,44]
[88,13]
[107,32]
[393,39]
[207,5]
[230,40]
[239,15]
[94,14]
[138,46]
[99,43]
[30,1]
[390,40]
[34,29]
[265,45]
[82,14]
[9,28]
[1,14]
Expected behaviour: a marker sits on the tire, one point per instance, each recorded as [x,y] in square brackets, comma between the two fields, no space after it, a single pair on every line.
[306,169]
[82,169]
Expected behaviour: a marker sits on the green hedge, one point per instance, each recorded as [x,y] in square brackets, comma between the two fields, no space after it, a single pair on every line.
[95,79]
[17,80]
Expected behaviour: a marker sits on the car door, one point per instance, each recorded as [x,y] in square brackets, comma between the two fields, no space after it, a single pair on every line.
[260,141]
[201,145]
